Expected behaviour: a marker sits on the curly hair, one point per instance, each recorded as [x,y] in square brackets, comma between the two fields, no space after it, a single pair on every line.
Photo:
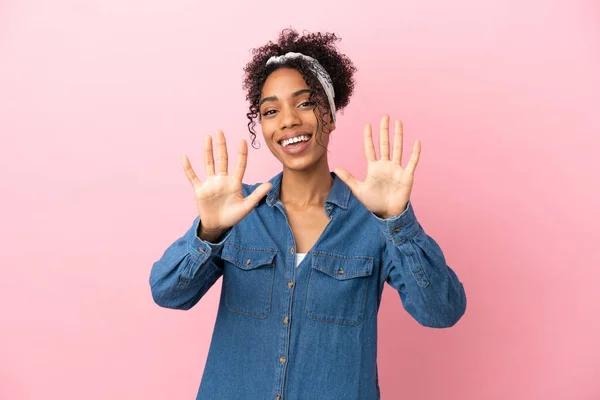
[320,46]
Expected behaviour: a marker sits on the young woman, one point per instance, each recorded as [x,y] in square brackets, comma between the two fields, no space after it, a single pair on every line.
[304,257]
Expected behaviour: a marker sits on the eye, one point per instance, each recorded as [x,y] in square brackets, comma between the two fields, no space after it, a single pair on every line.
[308,104]
[268,112]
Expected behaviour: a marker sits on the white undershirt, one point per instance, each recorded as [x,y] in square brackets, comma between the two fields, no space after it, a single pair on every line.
[299,258]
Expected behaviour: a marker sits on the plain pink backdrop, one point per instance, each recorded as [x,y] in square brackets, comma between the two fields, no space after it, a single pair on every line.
[99,99]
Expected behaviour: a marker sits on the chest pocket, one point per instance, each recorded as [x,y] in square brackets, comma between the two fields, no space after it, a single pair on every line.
[248,279]
[337,288]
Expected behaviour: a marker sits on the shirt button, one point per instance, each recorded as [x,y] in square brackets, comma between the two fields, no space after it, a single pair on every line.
[290,284]
[248,261]
[398,229]
[282,360]
[277,397]
[328,207]
[291,250]
[286,320]
[341,271]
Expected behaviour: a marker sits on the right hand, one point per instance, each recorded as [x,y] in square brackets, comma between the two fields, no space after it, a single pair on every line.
[219,198]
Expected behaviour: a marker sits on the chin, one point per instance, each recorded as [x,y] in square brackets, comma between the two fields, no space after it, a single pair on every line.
[307,160]
[297,165]
[301,164]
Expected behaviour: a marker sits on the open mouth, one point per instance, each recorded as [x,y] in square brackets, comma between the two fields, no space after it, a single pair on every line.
[295,140]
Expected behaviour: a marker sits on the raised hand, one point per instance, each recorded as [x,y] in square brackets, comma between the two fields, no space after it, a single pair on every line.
[219,198]
[387,186]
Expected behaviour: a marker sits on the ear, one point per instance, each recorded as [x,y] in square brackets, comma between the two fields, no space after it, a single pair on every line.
[331,126]
[330,123]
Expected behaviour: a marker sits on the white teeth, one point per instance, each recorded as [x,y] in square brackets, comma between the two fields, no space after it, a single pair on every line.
[302,138]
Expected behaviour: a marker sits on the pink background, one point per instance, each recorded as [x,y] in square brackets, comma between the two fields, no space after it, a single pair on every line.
[99,99]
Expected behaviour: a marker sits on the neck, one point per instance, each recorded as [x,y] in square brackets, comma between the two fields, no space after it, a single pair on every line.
[306,188]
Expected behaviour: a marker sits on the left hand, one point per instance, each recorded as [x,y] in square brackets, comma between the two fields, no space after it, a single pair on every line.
[387,187]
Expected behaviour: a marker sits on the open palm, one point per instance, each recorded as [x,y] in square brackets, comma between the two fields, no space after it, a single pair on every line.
[387,186]
[219,199]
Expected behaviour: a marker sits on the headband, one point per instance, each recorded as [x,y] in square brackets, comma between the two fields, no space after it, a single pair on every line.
[317,69]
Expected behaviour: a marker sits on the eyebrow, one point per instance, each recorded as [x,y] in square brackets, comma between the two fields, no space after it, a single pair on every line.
[274,98]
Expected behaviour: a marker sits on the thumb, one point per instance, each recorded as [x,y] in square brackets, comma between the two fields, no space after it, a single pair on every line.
[347,178]
[256,195]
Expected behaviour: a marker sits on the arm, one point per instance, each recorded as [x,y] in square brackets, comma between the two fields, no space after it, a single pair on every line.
[187,269]
[415,266]
[192,264]
[413,262]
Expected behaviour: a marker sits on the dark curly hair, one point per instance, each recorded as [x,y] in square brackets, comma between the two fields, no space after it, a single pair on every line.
[320,46]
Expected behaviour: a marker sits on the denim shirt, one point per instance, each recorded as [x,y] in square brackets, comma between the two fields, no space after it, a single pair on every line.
[308,332]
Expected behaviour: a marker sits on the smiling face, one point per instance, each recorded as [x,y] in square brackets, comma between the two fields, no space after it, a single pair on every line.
[289,122]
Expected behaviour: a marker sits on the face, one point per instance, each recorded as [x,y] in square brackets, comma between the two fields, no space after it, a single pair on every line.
[289,123]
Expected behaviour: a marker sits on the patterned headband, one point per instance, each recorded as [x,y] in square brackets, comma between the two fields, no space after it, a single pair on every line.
[317,69]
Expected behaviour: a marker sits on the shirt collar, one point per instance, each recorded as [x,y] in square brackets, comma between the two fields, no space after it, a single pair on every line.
[339,194]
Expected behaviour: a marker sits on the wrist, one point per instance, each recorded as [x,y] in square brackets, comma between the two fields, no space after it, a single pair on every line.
[387,215]
[210,235]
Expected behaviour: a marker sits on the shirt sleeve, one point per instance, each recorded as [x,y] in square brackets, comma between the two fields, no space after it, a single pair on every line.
[187,270]
[415,266]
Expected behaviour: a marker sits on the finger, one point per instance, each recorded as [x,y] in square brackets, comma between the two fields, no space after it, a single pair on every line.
[256,195]
[414,158]
[368,141]
[384,137]
[398,138]
[348,179]
[222,153]
[209,162]
[240,167]
[189,172]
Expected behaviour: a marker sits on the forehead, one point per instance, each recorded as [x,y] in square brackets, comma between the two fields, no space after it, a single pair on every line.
[282,82]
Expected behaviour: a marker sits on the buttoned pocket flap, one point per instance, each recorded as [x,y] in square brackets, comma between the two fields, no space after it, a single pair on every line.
[248,259]
[342,267]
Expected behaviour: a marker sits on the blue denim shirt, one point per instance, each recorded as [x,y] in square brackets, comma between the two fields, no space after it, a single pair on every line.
[307,332]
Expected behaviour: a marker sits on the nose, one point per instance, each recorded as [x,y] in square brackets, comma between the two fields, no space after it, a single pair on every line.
[289,117]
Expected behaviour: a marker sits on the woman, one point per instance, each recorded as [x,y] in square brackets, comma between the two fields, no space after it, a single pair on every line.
[304,257]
